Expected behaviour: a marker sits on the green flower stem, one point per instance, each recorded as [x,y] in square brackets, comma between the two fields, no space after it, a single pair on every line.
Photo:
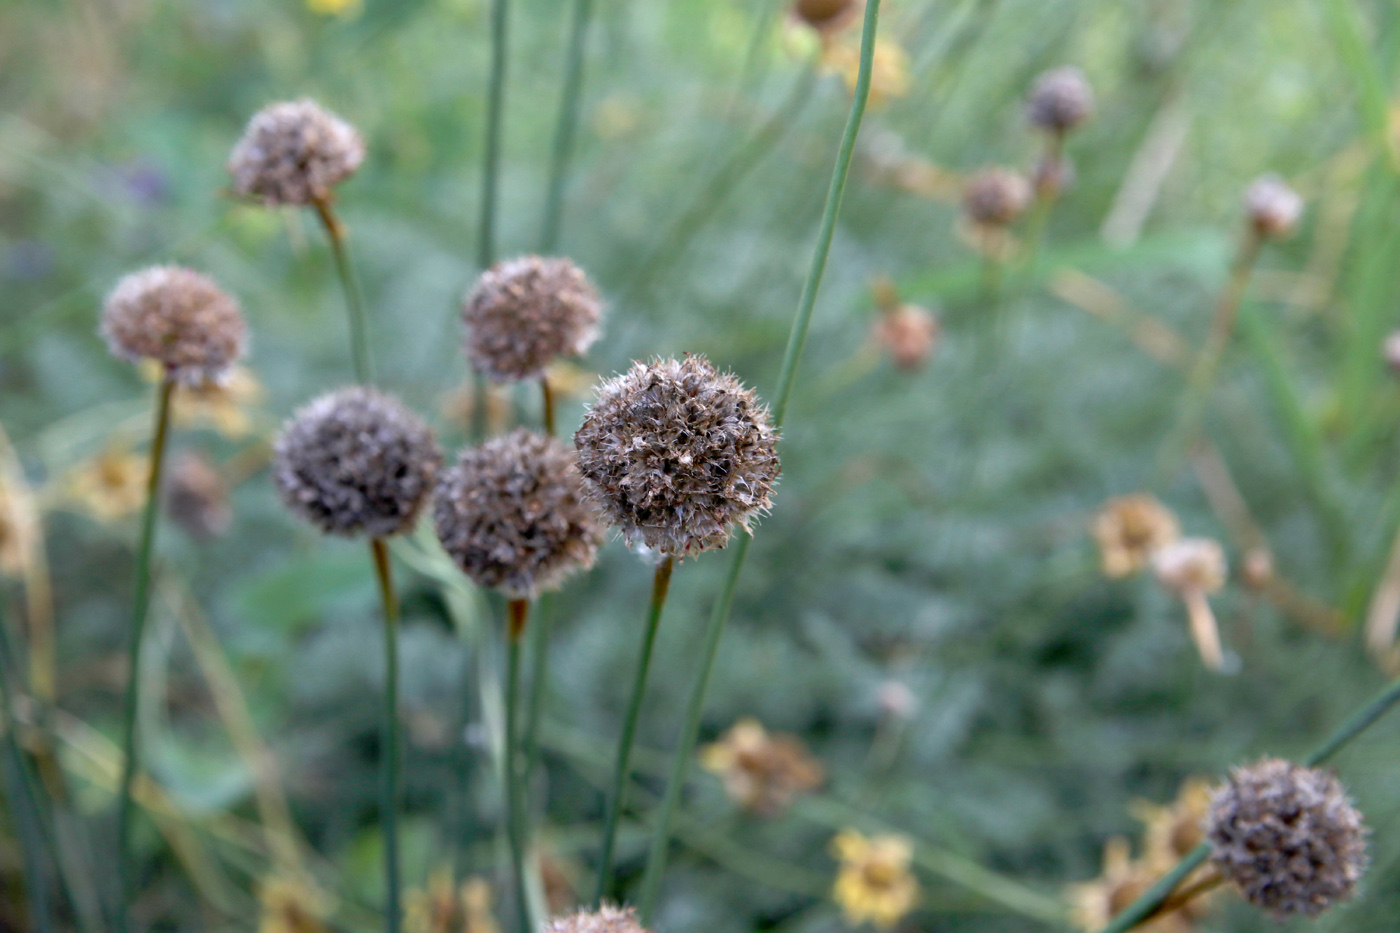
[495,106]
[141,604]
[354,302]
[567,128]
[622,771]
[1147,905]
[539,677]
[389,792]
[680,766]
[519,611]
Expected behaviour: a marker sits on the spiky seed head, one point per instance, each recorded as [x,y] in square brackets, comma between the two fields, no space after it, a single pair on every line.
[825,15]
[996,197]
[605,919]
[1060,100]
[678,454]
[1191,564]
[1274,209]
[356,462]
[294,152]
[196,497]
[524,313]
[513,514]
[177,317]
[1287,836]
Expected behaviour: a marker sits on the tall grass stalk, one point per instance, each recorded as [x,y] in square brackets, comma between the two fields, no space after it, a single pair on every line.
[389,791]
[787,377]
[349,284]
[566,129]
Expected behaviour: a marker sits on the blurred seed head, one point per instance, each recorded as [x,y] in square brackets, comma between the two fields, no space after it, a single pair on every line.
[177,317]
[996,197]
[909,334]
[1060,100]
[524,313]
[1257,570]
[1287,836]
[1390,351]
[196,497]
[678,454]
[1273,208]
[356,462]
[605,919]
[826,15]
[294,152]
[513,515]
[1190,565]
[762,772]
[1129,530]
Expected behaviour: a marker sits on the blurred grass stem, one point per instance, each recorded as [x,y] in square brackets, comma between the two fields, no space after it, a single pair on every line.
[566,129]
[495,105]
[546,405]
[518,611]
[354,302]
[787,377]
[389,792]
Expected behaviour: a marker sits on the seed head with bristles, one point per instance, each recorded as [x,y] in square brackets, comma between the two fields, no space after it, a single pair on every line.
[605,919]
[678,454]
[177,317]
[513,515]
[1287,836]
[1273,208]
[356,462]
[524,313]
[294,152]
[996,197]
[1060,100]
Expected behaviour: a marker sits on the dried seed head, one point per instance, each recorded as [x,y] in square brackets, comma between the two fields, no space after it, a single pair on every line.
[825,15]
[603,920]
[1257,571]
[678,454]
[1273,208]
[996,197]
[1129,530]
[1060,100]
[524,313]
[177,317]
[513,515]
[1287,836]
[762,772]
[294,152]
[196,497]
[356,462]
[909,334]
[1191,565]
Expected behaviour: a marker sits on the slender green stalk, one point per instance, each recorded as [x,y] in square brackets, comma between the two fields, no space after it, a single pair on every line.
[495,106]
[1147,905]
[141,604]
[28,817]
[519,610]
[787,377]
[539,678]
[389,792]
[567,128]
[354,302]
[622,772]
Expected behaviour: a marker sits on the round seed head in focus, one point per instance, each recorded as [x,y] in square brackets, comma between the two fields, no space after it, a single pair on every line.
[1273,208]
[294,152]
[1060,100]
[678,454]
[513,515]
[177,317]
[1287,836]
[524,313]
[603,920]
[1191,564]
[356,462]
[996,197]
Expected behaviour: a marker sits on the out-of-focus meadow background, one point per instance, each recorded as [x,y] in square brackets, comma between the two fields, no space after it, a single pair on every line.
[924,608]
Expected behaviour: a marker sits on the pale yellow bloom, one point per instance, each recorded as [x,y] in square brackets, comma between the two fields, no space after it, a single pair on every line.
[439,908]
[110,486]
[1174,830]
[334,7]
[289,906]
[874,882]
[761,772]
[225,406]
[1094,903]
[889,69]
[1129,530]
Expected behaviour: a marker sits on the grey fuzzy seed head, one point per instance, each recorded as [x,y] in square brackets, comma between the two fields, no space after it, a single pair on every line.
[513,515]
[605,919]
[996,197]
[356,462]
[524,313]
[678,454]
[1060,100]
[1273,208]
[294,152]
[1287,836]
[177,317]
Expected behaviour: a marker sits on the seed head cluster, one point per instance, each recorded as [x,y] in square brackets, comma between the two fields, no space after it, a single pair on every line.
[1060,100]
[356,462]
[513,515]
[1273,208]
[294,153]
[825,15]
[177,317]
[1287,836]
[678,454]
[524,313]
[996,197]
[605,919]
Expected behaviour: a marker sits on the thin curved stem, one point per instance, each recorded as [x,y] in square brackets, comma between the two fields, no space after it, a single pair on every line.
[495,107]
[389,791]
[567,128]
[546,405]
[622,771]
[539,678]
[354,301]
[519,610]
[141,604]
[787,377]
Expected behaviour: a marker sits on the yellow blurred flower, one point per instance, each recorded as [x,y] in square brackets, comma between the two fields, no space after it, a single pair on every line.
[1094,903]
[1173,831]
[225,406]
[439,908]
[1129,530]
[889,69]
[334,7]
[110,486]
[289,906]
[874,882]
[761,772]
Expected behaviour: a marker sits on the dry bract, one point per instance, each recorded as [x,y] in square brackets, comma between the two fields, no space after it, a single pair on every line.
[294,153]
[525,313]
[177,317]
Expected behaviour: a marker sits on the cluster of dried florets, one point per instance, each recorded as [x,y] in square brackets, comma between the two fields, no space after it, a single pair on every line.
[525,313]
[356,462]
[177,317]
[762,772]
[605,919]
[678,454]
[513,516]
[1129,530]
[294,153]
[1287,836]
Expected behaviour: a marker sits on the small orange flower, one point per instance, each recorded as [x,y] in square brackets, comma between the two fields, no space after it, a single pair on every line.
[874,882]
[761,772]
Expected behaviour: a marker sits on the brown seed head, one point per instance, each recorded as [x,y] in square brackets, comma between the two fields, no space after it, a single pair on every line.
[678,454]
[356,462]
[762,772]
[177,317]
[1191,565]
[294,152]
[996,197]
[1060,100]
[197,497]
[1287,836]
[1273,208]
[826,15]
[605,919]
[524,313]
[909,334]
[1129,530]
[513,515]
